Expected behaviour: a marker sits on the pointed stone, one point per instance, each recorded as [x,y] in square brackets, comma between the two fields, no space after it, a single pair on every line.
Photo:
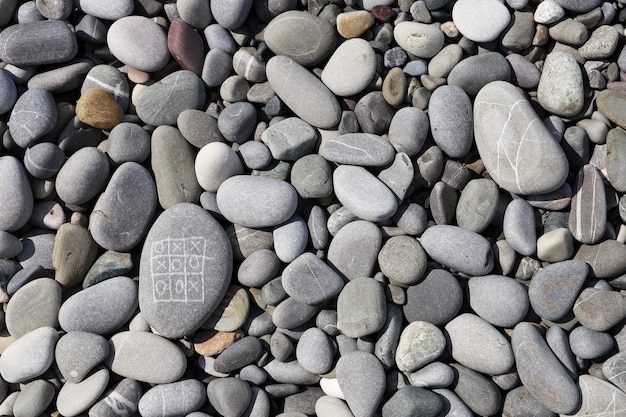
[362,380]
[587,219]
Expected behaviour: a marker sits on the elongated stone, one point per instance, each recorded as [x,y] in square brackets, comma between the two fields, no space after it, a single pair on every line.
[560,88]
[363,149]
[587,219]
[37,43]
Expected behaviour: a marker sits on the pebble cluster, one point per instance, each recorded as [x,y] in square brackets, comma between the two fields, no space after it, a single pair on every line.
[326,207]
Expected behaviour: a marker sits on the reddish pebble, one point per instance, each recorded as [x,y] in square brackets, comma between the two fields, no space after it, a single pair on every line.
[186,46]
[137,76]
[382,13]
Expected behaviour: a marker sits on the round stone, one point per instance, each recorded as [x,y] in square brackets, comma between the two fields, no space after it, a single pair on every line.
[560,86]
[215,163]
[419,39]
[138,42]
[44,160]
[480,21]
[420,344]
[450,114]
[34,114]
[500,300]
[403,260]
[34,305]
[83,176]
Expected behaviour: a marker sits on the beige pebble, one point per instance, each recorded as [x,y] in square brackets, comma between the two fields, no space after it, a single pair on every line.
[555,246]
[354,24]
[213,342]
[98,108]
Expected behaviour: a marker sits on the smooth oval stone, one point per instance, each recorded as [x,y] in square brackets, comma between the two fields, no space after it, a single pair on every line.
[231,14]
[480,21]
[503,120]
[311,176]
[198,127]
[361,378]
[578,6]
[560,89]
[304,94]
[113,10]
[101,308]
[120,401]
[587,219]
[83,176]
[616,158]
[29,356]
[519,227]
[10,247]
[34,115]
[77,353]
[217,67]
[248,64]
[229,396]
[215,163]
[610,103]
[256,202]
[110,264]
[290,372]
[606,259]
[589,344]
[34,398]
[122,214]
[341,255]
[414,401]
[73,399]
[290,139]
[373,113]
[316,38]
[403,260]
[459,249]
[16,206]
[541,372]
[241,353]
[328,406]
[290,314]
[351,68]
[419,39]
[500,300]
[435,299]
[478,345]
[237,122]
[38,247]
[37,43]
[362,149]
[146,357]
[480,394]
[185,269]
[433,375]
[138,42]
[408,130]
[176,398]
[7,85]
[361,308]
[309,280]
[180,90]
[258,268]
[598,396]
[420,343]
[34,305]
[315,351]
[475,72]
[363,194]
[186,46]
[128,142]
[44,160]
[520,403]
[600,310]
[450,114]
[477,205]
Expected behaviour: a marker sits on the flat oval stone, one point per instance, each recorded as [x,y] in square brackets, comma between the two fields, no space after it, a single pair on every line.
[113,10]
[344,259]
[232,14]
[82,176]
[138,42]
[413,400]
[34,398]
[101,308]
[126,392]
[419,39]
[37,43]
[541,372]
[146,357]
[185,269]
[34,305]
[163,101]
[77,353]
[519,227]
[361,378]
[256,202]
[610,103]
[229,396]
[237,122]
[435,299]
[363,194]
[600,310]
[351,68]
[315,351]
[73,399]
[362,149]
[122,214]
[589,344]
[309,280]
[503,120]
[16,206]
[176,398]
[311,176]
[316,38]
[186,46]
[613,369]
[241,353]
[34,115]
[478,345]
[29,356]
[44,160]
[606,259]
[408,130]
[477,205]
[312,101]
[217,67]
[361,309]
[459,249]
[587,219]
[480,21]
[450,114]
[560,88]
[10,92]
[476,71]
[500,300]
[520,403]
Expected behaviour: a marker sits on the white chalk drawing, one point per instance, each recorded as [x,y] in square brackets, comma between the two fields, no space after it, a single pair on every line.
[177,267]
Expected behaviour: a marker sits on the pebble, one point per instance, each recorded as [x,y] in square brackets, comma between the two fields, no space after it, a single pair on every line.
[44,160]
[34,398]
[512,175]
[10,92]
[589,344]
[420,344]
[476,391]
[34,114]
[560,86]
[498,299]
[248,64]
[354,265]
[111,11]
[73,399]
[101,308]
[312,101]
[311,176]
[419,39]
[215,163]
[450,114]
[110,264]
[138,42]
[403,260]
[236,122]
[599,395]
[539,369]
[73,253]
[216,68]
[362,380]
[17,205]
[353,24]
[128,142]
[362,149]
[356,317]
[314,351]
[82,176]
[408,130]
[145,357]
[38,43]
[290,314]
[350,68]
[77,353]
[555,246]
[309,280]
[229,396]
[328,406]
[548,12]
[290,139]
[519,402]
[181,90]
[198,127]
[186,46]
[10,245]
[477,205]
[34,305]
[29,356]
[176,398]
[599,310]
[587,220]
[110,79]
[480,21]
[520,228]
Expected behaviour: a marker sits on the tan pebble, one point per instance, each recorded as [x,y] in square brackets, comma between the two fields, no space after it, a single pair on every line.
[98,108]
[450,30]
[541,35]
[212,342]
[354,24]
[395,87]
[137,76]
[555,246]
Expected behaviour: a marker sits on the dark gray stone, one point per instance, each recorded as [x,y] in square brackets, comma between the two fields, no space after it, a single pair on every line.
[600,310]
[217,67]
[606,259]
[229,396]
[589,344]
[435,299]
[587,220]
[128,142]
[109,265]
[519,402]
[237,122]
[341,256]
[478,204]
[374,113]
[241,353]
[258,268]
[413,401]
[356,318]
[473,73]
[480,394]
[290,314]
[311,176]
[38,43]
[519,227]
[44,160]
[7,85]
[198,127]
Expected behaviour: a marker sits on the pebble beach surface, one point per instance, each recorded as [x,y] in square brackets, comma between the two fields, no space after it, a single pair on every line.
[340,208]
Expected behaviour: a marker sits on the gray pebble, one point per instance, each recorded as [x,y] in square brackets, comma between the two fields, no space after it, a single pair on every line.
[403,260]
[17,204]
[519,227]
[311,176]
[500,300]
[362,149]
[34,305]
[128,142]
[29,356]
[560,86]
[241,353]
[519,402]
[599,310]
[34,398]
[258,268]
[23,44]
[138,42]
[408,130]
[218,37]
[38,247]
[314,351]
[74,399]
[473,73]
[237,122]
[589,344]
[10,246]
[374,113]
[341,256]
[436,299]
[77,353]
[478,393]
[290,139]
[477,205]
[176,398]
[356,318]
[420,344]
[10,92]
[309,280]
[44,160]
[413,400]
[599,395]
[419,39]
[34,114]
[256,155]
[433,375]
[451,121]
[83,176]
[362,380]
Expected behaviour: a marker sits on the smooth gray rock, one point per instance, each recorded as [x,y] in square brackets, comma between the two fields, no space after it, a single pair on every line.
[539,370]
[10,247]
[361,309]
[589,344]
[451,121]
[290,239]
[503,119]
[616,158]
[44,160]
[229,396]
[16,206]
[435,299]
[525,73]
[420,344]
[145,357]
[314,351]
[83,176]
[480,21]
[128,142]
[34,115]
[500,300]
[459,249]
[139,42]
[29,356]
[10,92]
[77,353]
[613,369]
[599,397]
[478,392]
[290,372]
[587,220]
[362,149]
[38,247]
[351,68]
[600,310]
[403,260]
[309,280]
[519,402]
[34,305]
[74,399]
[476,71]
[237,122]
[412,401]
[121,401]
[578,6]
[558,341]
[290,139]
[478,345]
[519,227]
[256,202]
[478,204]
[373,113]
[101,308]
[259,268]
[217,67]
[37,43]
[198,127]
[304,94]
[433,375]
[34,398]
[185,270]
[361,378]
[176,398]
[419,39]
[311,176]
[341,255]
[560,89]
[606,259]
[111,11]
[241,353]
[408,130]
[290,314]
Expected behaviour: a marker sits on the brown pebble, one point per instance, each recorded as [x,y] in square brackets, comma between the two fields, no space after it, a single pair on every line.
[382,13]
[98,108]
[186,46]
[354,24]
[212,342]
[395,87]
